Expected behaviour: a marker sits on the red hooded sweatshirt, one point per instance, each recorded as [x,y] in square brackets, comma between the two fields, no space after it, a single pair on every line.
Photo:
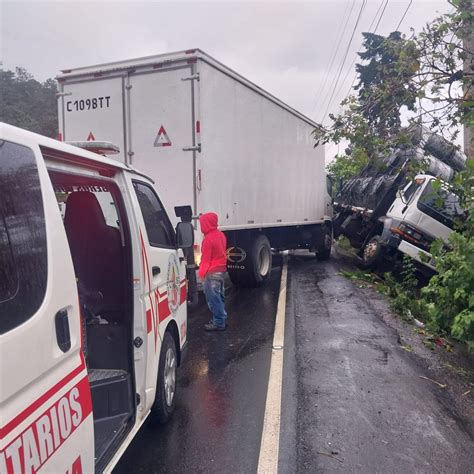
[214,245]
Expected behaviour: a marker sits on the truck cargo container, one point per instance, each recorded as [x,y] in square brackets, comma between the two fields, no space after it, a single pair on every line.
[209,136]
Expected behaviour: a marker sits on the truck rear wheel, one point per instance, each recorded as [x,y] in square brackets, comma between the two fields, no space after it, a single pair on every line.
[165,395]
[256,268]
[323,252]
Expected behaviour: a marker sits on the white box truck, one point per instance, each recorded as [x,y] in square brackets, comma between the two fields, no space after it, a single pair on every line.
[208,136]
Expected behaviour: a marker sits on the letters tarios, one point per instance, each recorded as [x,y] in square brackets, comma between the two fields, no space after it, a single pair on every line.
[40,440]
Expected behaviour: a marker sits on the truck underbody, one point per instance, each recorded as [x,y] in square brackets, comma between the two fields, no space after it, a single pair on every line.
[250,250]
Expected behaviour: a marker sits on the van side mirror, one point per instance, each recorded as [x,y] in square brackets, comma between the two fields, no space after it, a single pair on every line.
[185,235]
[185,213]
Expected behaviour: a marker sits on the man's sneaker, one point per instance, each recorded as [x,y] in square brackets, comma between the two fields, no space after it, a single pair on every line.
[213,327]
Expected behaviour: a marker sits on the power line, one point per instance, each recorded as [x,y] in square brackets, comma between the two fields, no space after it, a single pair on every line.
[353,62]
[403,17]
[335,50]
[383,11]
[345,57]
[375,31]
[376,14]
[378,23]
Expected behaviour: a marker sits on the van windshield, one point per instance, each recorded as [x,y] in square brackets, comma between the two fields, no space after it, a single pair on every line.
[440,204]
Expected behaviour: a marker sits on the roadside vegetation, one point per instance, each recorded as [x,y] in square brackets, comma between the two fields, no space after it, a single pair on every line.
[28,103]
[406,82]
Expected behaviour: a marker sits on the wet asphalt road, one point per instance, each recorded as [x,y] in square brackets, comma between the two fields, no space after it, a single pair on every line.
[357,396]
[352,399]
[222,387]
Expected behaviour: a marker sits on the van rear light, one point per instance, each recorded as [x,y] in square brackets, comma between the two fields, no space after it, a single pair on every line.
[197,254]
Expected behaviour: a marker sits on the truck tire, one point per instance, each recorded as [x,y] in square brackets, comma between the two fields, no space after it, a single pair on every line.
[257,265]
[165,395]
[324,250]
[372,252]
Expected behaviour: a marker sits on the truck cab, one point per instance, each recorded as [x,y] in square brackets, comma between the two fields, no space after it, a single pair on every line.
[424,210]
[93,295]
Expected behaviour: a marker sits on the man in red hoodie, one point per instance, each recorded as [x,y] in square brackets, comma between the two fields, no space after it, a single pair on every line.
[212,269]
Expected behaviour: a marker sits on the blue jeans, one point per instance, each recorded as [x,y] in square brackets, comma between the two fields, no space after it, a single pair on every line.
[214,291]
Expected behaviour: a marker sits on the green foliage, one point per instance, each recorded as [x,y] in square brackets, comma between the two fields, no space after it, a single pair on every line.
[422,74]
[385,80]
[446,303]
[27,103]
[404,292]
[449,296]
[366,280]
[344,167]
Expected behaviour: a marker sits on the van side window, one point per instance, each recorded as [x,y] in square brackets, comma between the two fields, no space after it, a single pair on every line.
[158,227]
[23,249]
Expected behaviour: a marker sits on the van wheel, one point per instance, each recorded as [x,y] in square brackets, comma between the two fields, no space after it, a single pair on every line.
[165,397]
[324,250]
[257,265]
[372,252]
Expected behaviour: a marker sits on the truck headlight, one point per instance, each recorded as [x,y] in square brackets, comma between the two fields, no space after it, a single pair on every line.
[412,234]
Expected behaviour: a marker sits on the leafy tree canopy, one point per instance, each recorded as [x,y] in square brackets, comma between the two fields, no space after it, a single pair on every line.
[27,103]
[421,76]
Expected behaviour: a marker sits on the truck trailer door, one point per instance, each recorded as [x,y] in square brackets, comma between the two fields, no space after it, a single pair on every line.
[161,126]
[93,109]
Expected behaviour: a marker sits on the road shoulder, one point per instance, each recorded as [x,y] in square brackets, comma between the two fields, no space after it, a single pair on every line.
[361,404]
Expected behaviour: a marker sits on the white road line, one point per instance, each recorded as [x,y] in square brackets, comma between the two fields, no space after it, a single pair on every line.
[268,459]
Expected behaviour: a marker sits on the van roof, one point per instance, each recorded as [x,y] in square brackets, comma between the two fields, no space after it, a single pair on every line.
[164,60]
[24,137]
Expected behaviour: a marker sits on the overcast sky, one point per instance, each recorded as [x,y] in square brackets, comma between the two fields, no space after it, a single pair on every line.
[285,47]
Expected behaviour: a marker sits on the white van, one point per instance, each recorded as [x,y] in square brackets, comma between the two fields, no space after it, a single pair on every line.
[93,312]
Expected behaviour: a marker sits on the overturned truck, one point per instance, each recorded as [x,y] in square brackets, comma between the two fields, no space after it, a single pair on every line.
[386,215]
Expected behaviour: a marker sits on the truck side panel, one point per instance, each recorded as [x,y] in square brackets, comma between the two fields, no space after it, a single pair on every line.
[258,165]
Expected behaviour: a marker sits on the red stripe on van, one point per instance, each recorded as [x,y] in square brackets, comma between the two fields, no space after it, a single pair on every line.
[76,405]
[163,310]
[182,296]
[148,321]
[11,425]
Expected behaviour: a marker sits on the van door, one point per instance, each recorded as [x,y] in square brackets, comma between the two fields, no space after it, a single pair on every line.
[164,280]
[45,399]
[161,127]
